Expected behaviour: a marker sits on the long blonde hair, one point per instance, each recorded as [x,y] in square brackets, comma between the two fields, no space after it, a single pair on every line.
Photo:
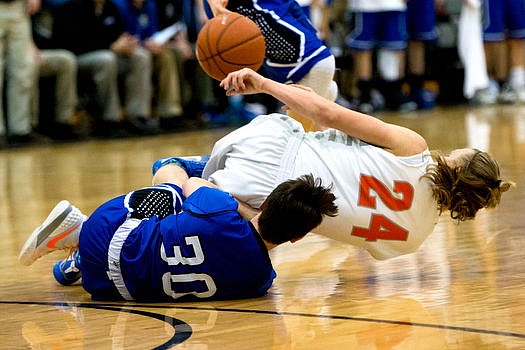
[465,189]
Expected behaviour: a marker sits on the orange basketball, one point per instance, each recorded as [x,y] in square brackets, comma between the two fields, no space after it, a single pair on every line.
[227,43]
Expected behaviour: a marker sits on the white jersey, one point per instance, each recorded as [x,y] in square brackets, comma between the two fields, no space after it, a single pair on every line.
[384,205]
[376,5]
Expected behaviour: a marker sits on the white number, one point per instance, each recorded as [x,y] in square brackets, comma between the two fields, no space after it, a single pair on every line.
[179,259]
[168,279]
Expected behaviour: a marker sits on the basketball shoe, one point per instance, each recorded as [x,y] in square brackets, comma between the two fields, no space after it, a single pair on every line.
[194,165]
[67,271]
[60,230]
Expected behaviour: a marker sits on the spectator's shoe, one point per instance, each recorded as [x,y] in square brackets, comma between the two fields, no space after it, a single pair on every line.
[60,230]
[31,139]
[142,126]
[424,98]
[370,104]
[67,271]
[488,95]
[507,94]
[521,94]
[193,165]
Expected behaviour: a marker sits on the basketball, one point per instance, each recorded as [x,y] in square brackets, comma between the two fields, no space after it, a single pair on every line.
[229,42]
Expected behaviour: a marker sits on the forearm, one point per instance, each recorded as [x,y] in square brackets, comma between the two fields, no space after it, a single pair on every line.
[396,139]
[305,102]
[325,112]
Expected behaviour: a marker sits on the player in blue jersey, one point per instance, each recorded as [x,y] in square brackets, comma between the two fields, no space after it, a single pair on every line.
[421,20]
[180,238]
[504,42]
[294,52]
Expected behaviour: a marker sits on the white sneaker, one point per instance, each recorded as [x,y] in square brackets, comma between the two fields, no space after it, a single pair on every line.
[487,96]
[60,230]
[507,94]
[521,94]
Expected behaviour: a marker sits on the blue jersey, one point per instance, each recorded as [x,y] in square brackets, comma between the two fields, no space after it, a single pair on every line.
[207,251]
[292,44]
[142,23]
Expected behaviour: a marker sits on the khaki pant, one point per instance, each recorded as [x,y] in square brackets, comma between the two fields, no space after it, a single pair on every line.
[62,65]
[17,57]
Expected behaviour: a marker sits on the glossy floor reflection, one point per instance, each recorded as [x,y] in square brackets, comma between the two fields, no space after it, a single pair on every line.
[463,289]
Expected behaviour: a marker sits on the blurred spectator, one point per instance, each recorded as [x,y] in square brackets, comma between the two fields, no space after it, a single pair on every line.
[421,19]
[379,25]
[94,31]
[61,66]
[197,95]
[141,20]
[504,38]
[17,66]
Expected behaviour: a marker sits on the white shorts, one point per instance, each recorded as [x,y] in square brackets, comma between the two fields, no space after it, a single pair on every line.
[262,151]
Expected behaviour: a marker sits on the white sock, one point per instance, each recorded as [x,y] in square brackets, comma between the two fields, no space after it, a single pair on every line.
[517,77]
[388,64]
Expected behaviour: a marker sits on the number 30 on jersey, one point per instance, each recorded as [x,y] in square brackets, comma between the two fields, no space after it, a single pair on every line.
[169,281]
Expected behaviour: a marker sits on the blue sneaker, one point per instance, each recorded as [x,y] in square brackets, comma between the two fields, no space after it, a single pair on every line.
[425,99]
[67,271]
[194,165]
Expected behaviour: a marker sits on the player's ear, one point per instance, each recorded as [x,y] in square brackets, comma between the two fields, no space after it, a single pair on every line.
[261,207]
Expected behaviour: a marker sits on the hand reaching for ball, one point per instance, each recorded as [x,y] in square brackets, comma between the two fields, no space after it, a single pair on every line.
[244,81]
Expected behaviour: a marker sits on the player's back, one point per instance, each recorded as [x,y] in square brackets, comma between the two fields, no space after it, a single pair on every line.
[212,252]
[384,204]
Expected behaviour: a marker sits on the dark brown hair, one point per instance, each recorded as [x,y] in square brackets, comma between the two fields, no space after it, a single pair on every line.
[466,188]
[294,208]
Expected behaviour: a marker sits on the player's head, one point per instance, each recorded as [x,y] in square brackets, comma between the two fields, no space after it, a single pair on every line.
[294,208]
[465,181]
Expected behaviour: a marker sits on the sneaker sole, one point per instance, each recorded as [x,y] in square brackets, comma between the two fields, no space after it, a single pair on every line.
[41,235]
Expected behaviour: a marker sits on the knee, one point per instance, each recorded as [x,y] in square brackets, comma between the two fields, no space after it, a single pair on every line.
[107,61]
[141,59]
[67,60]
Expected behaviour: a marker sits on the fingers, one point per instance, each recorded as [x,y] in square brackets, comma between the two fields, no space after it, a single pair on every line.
[234,82]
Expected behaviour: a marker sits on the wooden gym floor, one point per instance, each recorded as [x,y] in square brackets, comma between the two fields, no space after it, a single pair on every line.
[464,288]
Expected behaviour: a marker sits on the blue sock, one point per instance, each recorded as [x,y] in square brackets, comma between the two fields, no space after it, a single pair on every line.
[193,165]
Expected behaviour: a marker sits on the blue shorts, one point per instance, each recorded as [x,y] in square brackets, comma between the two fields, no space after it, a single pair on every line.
[502,19]
[97,241]
[386,30]
[421,20]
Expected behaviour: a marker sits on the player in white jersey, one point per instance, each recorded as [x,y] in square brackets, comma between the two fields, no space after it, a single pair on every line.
[390,189]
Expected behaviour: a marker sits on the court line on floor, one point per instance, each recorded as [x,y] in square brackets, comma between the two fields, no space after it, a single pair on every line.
[268,312]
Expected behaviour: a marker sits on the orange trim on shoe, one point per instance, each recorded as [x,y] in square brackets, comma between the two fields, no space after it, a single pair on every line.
[51,243]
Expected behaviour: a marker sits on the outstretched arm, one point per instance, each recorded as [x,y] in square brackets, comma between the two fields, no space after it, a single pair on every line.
[218,7]
[393,138]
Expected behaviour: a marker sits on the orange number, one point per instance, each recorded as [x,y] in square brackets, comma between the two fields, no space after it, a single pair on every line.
[380,226]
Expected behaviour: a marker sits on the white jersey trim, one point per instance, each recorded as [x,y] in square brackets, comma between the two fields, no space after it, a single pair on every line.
[114,250]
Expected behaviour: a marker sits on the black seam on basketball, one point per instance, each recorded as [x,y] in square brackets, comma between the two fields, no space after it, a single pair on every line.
[231,48]
[217,66]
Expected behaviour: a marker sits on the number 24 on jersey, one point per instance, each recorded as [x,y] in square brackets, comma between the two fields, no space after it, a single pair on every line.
[380,226]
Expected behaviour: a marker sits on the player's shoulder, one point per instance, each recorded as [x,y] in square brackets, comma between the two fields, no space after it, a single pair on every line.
[207,201]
